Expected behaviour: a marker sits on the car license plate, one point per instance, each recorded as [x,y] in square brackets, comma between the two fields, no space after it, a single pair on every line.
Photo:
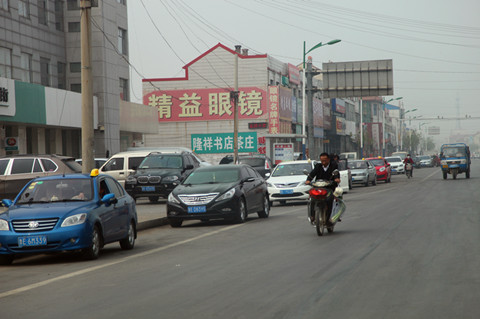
[197,209]
[286,191]
[454,166]
[148,188]
[32,241]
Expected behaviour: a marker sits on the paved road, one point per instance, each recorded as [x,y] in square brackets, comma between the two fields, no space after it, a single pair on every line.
[408,249]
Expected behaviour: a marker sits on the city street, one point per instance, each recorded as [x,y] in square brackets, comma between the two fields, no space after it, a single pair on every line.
[406,249]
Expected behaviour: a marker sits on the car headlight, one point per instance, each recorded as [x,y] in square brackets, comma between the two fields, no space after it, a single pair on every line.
[382,169]
[226,195]
[4,225]
[172,199]
[443,162]
[170,178]
[74,220]
[131,179]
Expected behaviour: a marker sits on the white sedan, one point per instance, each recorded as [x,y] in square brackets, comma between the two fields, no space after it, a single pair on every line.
[287,181]
[396,164]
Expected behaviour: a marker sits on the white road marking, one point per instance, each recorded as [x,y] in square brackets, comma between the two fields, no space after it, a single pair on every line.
[90,269]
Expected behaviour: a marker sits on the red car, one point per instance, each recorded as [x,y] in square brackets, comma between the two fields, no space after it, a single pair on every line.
[384,172]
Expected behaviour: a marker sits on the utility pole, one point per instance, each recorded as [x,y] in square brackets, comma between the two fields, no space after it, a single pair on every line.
[234,95]
[312,151]
[87,87]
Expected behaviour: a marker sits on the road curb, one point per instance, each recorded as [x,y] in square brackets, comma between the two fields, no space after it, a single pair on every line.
[152,223]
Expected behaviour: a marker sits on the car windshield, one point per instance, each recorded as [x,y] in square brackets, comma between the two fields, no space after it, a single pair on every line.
[393,159]
[377,162]
[426,157]
[162,161]
[55,190]
[358,165]
[212,176]
[291,169]
[453,152]
[252,161]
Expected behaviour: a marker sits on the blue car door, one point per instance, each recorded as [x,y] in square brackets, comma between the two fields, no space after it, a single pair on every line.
[121,208]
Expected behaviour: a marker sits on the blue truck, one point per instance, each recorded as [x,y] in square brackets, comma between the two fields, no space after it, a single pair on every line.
[455,159]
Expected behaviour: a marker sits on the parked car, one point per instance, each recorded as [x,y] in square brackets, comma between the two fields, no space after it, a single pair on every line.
[98,161]
[384,172]
[396,164]
[345,175]
[219,192]
[170,149]
[72,212]
[18,170]
[261,163]
[287,181]
[159,173]
[363,172]
[122,164]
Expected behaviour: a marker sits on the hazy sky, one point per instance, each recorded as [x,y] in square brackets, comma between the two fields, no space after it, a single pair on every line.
[434,44]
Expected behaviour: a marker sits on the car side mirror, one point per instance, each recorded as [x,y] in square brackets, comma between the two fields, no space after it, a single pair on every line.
[267,174]
[109,199]
[7,202]
[248,179]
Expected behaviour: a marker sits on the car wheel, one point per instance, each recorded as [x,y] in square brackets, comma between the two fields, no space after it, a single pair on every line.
[366,183]
[175,223]
[93,251]
[374,182]
[242,212]
[6,259]
[153,199]
[265,212]
[350,184]
[129,241]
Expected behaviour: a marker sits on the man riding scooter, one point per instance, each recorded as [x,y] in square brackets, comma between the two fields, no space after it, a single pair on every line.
[324,170]
[409,160]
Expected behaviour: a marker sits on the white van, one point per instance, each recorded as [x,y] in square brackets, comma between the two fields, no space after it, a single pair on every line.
[350,156]
[122,164]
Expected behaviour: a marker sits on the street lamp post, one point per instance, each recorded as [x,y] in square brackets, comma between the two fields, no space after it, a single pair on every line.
[303,91]
[383,123]
[425,136]
[401,128]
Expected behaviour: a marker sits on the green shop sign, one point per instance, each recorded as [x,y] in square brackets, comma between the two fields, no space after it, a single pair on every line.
[223,143]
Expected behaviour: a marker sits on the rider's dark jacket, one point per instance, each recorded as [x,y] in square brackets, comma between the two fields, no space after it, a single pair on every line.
[319,173]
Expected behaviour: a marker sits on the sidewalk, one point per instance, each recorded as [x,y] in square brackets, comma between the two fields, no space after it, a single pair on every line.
[150,215]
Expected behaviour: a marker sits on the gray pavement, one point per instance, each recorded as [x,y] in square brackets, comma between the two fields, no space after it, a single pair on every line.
[151,214]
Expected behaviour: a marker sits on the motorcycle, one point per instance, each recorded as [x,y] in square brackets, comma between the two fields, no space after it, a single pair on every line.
[408,170]
[320,193]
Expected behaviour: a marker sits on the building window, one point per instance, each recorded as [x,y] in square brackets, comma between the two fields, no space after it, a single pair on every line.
[76,87]
[72,5]
[4,5]
[122,41]
[124,2]
[62,75]
[44,72]
[74,27]
[59,15]
[42,12]
[23,8]
[124,90]
[75,67]
[5,63]
[26,67]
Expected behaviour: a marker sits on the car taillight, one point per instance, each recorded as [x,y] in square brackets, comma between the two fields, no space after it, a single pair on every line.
[267,166]
[318,192]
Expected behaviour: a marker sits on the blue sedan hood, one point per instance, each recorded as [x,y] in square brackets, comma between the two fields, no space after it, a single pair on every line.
[48,210]
[203,188]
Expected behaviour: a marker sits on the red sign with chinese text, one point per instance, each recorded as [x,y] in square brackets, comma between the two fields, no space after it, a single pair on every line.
[273,110]
[206,104]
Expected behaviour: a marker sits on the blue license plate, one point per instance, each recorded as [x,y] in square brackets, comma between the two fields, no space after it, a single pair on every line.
[286,191]
[197,209]
[148,188]
[454,166]
[32,241]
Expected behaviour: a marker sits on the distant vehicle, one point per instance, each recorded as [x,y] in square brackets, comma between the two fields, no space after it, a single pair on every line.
[98,161]
[455,159]
[426,161]
[345,175]
[287,181]
[18,170]
[261,163]
[402,154]
[122,164]
[171,149]
[384,171]
[219,192]
[159,173]
[396,164]
[348,156]
[363,172]
[73,212]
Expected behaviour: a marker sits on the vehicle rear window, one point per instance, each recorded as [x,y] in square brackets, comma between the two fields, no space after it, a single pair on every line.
[3,166]
[48,165]
[254,162]
[22,166]
[74,166]
[358,165]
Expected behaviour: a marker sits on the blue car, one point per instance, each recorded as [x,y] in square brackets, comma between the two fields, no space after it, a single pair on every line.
[76,212]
